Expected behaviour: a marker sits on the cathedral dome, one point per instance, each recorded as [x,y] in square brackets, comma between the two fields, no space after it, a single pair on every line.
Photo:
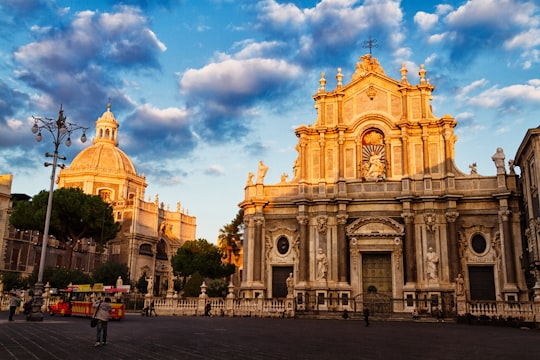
[104,155]
[106,158]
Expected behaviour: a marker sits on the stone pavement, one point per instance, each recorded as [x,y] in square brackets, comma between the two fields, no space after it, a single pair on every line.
[163,337]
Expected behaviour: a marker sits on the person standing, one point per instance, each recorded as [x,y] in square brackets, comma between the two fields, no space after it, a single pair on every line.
[102,315]
[366,315]
[14,302]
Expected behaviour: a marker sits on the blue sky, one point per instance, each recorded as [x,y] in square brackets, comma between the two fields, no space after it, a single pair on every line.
[205,89]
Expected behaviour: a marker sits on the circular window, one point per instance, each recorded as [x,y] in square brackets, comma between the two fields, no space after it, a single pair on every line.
[283,245]
[478,243]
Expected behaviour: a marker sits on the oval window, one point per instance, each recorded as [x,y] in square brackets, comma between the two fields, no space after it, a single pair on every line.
[478,243]
[283,245]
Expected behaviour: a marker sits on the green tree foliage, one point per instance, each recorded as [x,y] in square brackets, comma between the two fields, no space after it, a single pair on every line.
[74,215]
[202,257]
[107,273]
[217,288]
[193,285]
[142,284]
[12,281]
[229,237]
[61,278]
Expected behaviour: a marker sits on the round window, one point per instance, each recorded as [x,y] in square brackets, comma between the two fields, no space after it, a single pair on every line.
[478,243]
[283,245]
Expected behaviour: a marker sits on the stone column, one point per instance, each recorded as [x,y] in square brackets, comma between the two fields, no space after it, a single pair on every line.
[342,248]
[453,244]
[410,251]
[322,156]
[425,146]
[405,142]
[341,155]
[257,248]
[447,134]
[508,247]
[304,248]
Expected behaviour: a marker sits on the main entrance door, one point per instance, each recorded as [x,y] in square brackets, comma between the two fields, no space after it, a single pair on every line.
[377,273]
[279,280]
[482,283]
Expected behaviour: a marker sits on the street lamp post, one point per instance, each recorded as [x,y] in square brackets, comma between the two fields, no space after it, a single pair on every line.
[61,131]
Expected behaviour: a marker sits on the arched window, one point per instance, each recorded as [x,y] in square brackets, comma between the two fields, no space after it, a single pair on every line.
[161,251]
[146,249]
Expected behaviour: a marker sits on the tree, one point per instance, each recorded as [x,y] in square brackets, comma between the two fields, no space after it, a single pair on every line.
[74,215]
[193,285]
[229,237]
[202,257]
[107,273]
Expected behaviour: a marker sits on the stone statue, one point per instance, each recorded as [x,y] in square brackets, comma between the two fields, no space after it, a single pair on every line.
[322,265]
[119,282]
[432,259]
[150,286]
[284,177]
[261,172]
[473,169]
[511,167]
[460,285]
[498,159]
[250,179]
[290,284]
[376,167]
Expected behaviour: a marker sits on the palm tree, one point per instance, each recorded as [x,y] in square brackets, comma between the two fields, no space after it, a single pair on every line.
[229,238]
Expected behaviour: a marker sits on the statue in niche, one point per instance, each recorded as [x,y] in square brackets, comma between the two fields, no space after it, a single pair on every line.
[261,172]
[376,167]
[498,159]
[460,285]
[432,260]
[322,265]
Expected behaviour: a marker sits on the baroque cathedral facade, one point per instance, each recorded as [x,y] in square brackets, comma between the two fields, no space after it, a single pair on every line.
[377,206]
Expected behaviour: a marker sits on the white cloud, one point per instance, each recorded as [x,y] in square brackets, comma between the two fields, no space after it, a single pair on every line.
[233,77]
[471,87]
[425,20]
[496,98]
[524,40]
[215,170]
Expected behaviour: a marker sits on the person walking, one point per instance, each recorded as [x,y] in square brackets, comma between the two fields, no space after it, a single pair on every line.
[102,315]
[14,302]
[152,309]
[366,315]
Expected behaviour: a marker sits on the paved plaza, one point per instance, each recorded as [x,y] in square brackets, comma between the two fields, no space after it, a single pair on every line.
[137,337]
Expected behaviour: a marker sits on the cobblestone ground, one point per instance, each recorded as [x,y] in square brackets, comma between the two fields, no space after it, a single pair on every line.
[137,337]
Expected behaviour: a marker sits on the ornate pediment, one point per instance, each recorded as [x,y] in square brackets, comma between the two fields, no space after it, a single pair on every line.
[375,226]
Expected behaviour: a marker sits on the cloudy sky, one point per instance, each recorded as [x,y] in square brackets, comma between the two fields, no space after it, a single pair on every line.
[205,89]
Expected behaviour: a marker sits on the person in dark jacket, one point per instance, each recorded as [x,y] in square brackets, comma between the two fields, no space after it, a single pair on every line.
[366,315]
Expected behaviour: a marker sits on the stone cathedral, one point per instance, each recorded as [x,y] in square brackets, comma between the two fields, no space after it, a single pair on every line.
[151,232]
[377,206]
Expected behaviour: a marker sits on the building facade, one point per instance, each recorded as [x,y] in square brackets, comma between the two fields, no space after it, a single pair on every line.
[377,207]
[151,232]
[527,158]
